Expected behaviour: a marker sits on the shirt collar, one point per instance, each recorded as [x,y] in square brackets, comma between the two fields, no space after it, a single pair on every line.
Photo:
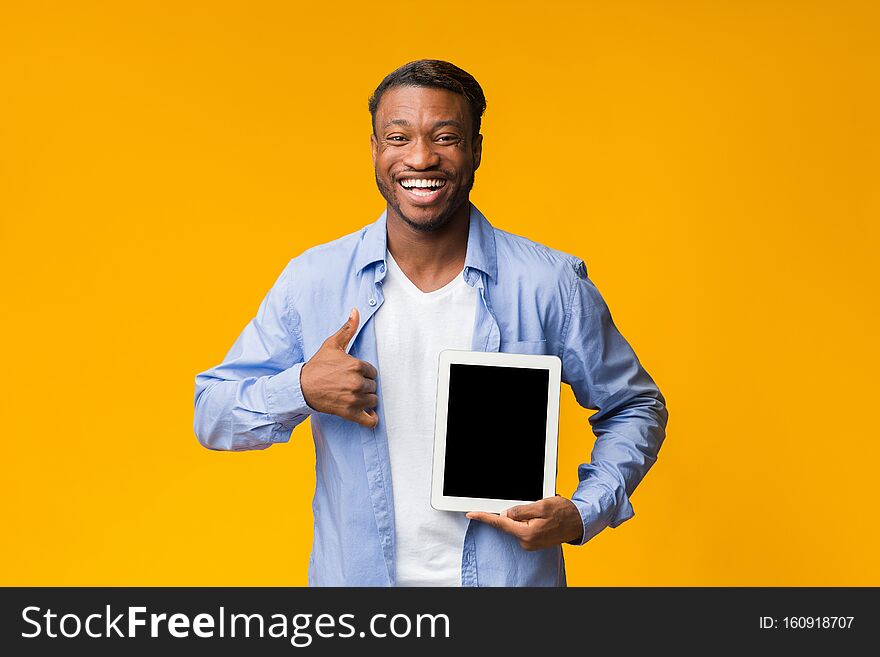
[480,247]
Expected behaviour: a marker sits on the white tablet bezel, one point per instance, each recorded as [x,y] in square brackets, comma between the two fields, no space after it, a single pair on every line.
[449,357]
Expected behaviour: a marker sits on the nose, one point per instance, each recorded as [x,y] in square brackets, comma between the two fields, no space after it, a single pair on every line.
[421,155]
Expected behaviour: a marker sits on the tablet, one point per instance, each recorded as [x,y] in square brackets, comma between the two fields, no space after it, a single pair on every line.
[495,431]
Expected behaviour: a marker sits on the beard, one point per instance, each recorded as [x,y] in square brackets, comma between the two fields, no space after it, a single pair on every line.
[437,222]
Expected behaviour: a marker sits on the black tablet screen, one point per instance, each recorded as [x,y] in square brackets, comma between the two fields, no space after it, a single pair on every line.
[496,431]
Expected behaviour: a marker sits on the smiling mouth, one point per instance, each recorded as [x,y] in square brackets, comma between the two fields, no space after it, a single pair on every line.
[423,189]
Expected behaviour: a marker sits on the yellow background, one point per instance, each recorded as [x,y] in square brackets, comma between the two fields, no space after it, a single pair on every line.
[714,163]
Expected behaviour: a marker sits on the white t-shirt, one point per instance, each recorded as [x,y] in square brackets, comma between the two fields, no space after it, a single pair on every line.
[412,328]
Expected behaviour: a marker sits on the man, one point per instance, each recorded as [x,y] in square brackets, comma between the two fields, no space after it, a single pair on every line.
[429,274]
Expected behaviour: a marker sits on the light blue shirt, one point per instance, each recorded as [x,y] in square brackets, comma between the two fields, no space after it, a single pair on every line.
[533,299]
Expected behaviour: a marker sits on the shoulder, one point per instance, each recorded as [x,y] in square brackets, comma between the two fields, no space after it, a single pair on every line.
[326,268]
[321,272]
[542,263]
[340,252]
[552,275]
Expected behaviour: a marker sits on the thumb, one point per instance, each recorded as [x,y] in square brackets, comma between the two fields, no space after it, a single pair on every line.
[343,335]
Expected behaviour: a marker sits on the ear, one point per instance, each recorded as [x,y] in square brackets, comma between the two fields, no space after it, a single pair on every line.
[478,151]
[374,148]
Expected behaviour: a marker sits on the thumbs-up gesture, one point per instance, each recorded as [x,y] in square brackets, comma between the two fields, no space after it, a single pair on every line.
[334,382]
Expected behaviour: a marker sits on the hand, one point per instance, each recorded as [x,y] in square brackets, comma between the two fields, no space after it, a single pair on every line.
[334,382]
[547,522]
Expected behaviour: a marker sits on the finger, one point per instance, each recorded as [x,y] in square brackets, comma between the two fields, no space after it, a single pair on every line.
[367,400]
[523,512]
[368,385]
[343,335]
[367,369]
[499,522]
[368,418]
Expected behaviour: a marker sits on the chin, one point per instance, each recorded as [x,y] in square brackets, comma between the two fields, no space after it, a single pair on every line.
[428,224]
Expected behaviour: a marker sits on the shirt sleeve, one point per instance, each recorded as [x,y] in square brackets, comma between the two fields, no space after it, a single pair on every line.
[253,399]
[630,423]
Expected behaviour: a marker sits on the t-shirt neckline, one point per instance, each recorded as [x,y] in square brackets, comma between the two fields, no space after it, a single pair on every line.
[414,289]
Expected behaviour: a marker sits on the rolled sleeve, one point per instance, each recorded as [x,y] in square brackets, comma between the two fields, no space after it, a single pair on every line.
[284,397]
[253,399]
[599,508]
[630,425]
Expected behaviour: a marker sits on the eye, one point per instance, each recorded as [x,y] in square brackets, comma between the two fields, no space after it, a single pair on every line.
[448,138]
[397,138]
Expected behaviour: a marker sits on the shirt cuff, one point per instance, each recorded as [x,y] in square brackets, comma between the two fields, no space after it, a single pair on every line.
[284,398]
[599,509]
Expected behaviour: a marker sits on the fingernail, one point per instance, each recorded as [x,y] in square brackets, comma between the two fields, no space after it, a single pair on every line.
[351,314]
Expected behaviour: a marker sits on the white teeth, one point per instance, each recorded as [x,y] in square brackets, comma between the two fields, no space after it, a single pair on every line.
[422,182]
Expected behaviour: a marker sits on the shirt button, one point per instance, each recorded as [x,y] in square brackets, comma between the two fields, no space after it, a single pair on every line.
[382,268]
[372,302]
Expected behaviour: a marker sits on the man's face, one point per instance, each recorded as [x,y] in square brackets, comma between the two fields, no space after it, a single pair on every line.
[424,134]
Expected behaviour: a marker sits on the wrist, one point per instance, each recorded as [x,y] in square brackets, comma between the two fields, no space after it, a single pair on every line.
[574,523]
[304,384]
[284,395]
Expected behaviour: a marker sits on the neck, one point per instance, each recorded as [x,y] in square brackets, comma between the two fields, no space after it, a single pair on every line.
[429,254]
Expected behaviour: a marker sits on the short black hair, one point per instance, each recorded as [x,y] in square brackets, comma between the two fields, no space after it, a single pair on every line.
[435,74]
